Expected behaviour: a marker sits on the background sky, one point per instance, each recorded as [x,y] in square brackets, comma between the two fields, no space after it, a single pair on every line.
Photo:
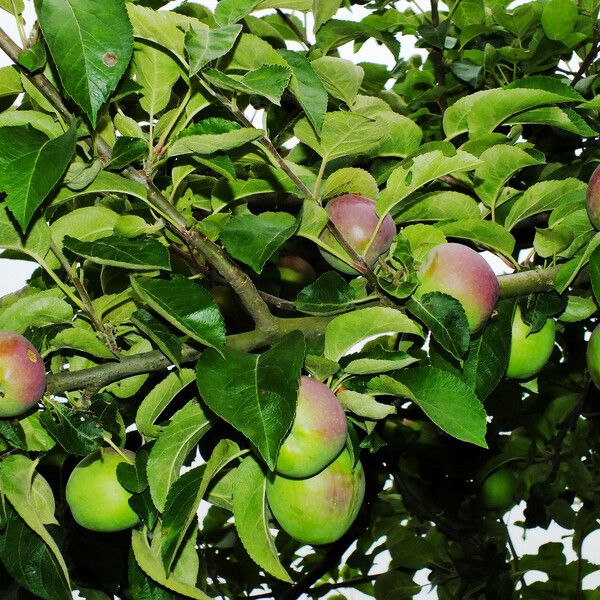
[14,275]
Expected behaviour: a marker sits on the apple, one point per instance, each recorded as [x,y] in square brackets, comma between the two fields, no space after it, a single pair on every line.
[459,271]
[96,498]
[593,198]
[321,508]
[499,489]
[355,218]
[593,356]
[318,432]
[22,374]
[529,352]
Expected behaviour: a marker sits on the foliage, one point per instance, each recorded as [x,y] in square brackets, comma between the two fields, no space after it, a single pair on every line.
[148,156]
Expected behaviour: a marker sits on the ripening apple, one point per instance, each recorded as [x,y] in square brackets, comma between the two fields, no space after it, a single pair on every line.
[499,489]
[593,356]
[460,272]
[96,498]
[321,508]
[593,198]
[529,352]
[318,432]
[356,219]
[22,374]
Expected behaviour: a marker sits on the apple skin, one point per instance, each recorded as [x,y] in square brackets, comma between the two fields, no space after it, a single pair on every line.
[22,374]
[320,509]
[96,498]
[356,219]
[529,353]
[460,272]
[499,489]
[593,198]
[593,356]
[318,433]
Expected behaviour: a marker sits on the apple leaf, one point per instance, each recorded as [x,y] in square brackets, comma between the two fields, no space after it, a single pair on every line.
[91,48]
[206,45]
[256,393]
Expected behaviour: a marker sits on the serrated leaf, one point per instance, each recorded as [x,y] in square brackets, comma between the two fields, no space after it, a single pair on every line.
[445,399]
[559,18]
[127,150]
[328,295]
[158,399]
[484,233]
[170,345]
[553,116]
[409,177]
[37,310]
[171,449]
[250,511]
[445,318]
[205,45]
[253,239]
[232,11]
[350,181]
[364,405]
[346,330]
[437,206]
[341,77]
[91,49]
[211,143]
[187,306]
[30,166]
[256,393]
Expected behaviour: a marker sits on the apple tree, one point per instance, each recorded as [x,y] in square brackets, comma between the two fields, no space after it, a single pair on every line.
[262,288]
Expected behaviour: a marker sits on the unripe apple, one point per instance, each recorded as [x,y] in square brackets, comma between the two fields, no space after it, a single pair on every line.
[593,356]
[462,273]
[318,433]
[356,219]
[593,198]
[529,352]
[22,374]
[499,489]
[295,273]
[96,498]
[320,509]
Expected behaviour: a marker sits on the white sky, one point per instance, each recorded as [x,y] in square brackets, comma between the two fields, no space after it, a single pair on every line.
[14,274]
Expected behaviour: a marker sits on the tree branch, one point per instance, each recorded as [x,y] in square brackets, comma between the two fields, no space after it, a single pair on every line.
[290,23]
[527,282]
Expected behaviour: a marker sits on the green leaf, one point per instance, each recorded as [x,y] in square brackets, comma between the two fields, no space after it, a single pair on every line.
[36,310]
[256,393]
[250,511]
[143,254]
[35,243]
[171,449]
[30,167]
[30,561]
[126,151]
[342,134]
[543,196]
[269,81]
[84,340]
[559,18]
[205,45]
[185,495]
[91,50]
[485,233]
[211,143]
[12,6]
[409,177]
[253,239]
[232,11]
[341,78]
[169,344]
[328,295]
[401,136]
[553,116]
[307,87]
[568,271]
[149,561]
[346,330]
[499,164]
[445,317]
[18,118]
[324,10]
[350,181]
[17,474]
[10,81]
[364,405]
[487,358]
[595,273]
[158,399]
[437,206]
[187,306]
[443,397]
[33,58]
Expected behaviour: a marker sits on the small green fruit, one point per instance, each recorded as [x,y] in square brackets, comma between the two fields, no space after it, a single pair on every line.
[529,352]
[320,509]
[96,498]
[593,356]
[499,489]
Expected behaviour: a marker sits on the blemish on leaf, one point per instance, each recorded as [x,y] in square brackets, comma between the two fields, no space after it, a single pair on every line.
[110,59]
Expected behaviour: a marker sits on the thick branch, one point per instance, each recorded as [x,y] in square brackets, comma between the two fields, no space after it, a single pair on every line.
[527,282]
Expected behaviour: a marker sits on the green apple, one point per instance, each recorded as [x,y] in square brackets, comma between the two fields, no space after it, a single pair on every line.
[529,352]
[22,374]
[593,356]
[321,508]
[499,490]
[318,432]
[96,498]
